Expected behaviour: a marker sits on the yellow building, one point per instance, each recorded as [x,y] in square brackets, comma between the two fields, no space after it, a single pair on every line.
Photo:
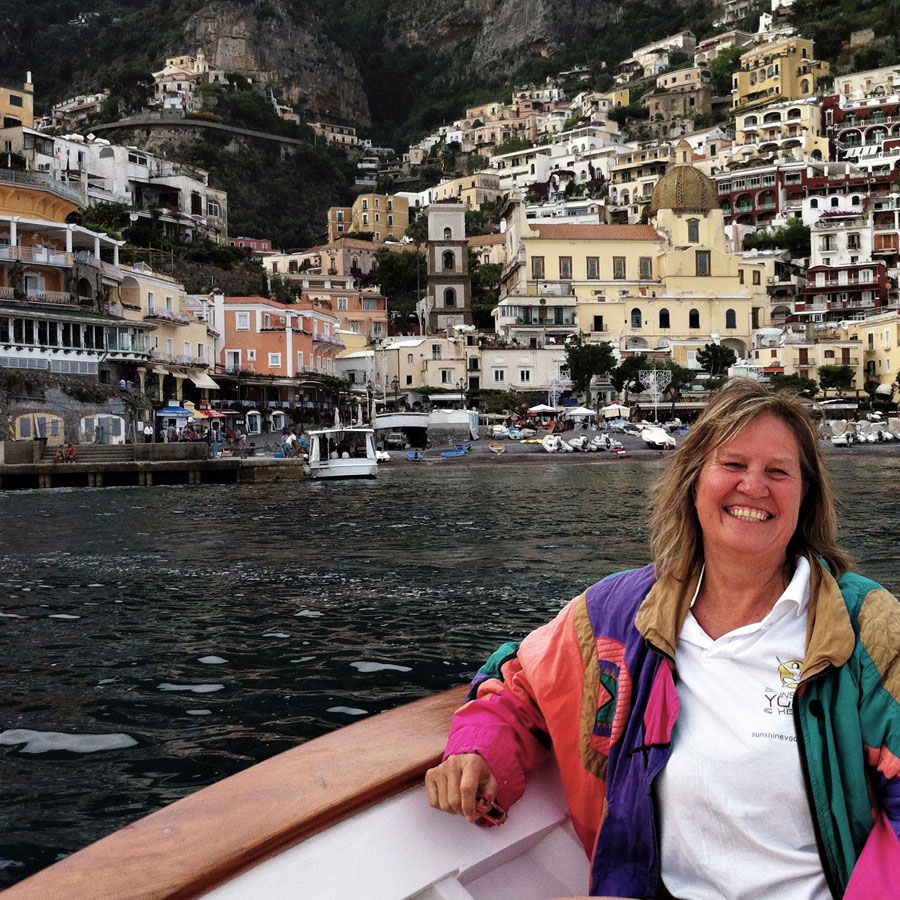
[634,175]
[792,127]
[17,103]
[385,215]
[669,287]
[470,190]
[782,70]
[182,347]
[878,339]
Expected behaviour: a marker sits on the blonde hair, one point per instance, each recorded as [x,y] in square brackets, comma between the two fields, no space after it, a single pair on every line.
[676,538]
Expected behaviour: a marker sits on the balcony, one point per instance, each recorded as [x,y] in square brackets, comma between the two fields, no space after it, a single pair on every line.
[40,255]
[57,298]
[42,182]
[168,315]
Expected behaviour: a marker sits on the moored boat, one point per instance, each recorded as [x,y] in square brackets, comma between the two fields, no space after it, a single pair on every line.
[344,815]
[342,453]
[496,447]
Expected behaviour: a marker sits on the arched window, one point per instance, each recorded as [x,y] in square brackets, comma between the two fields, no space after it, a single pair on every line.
[449,259]
[694,318]
[449,297]
[854,200]
[636,318]
[813,204]
[730,318]
[447,234]
[664,319]
[693,231]
[835,201]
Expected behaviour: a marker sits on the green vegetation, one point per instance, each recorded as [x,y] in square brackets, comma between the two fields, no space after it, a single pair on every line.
[584,361]
[716,359]
[796,383]
[793,237]
[838,377]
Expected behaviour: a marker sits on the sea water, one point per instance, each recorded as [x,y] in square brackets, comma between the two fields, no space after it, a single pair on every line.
[157,639]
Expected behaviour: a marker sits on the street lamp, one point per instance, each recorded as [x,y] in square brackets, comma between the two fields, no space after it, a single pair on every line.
[395,384]
[461,387]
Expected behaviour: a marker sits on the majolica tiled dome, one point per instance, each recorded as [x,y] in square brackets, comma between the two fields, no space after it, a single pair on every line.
[684,188]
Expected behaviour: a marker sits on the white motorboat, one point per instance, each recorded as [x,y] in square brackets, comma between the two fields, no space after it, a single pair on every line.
[657,438]
[341,816]
[342,453]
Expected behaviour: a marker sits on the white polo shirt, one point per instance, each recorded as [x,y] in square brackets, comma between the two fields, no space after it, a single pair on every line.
[735,822]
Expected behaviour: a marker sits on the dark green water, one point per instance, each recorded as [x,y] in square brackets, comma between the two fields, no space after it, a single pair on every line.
[207,628]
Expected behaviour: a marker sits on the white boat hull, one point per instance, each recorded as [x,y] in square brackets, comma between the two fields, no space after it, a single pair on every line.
[344,468]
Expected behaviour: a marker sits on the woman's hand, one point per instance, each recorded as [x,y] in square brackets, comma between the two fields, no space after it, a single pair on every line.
[459,782]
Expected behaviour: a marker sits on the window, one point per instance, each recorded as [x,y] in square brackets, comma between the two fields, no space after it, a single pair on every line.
[694,318]
[740,276]
[537,266]
[170,347]
[499,376]
[170,304]
[593,267]
[446,376]
[343,303]
[693,231]
[410,358]
[565,267]
[598,323]
[300,360]
[525,376]
[646,267]
[703,262]
[449,297]
[242,321]
[251,355]
[201,352]
[354,327]
[16,100]
[365,204]
[151,301]
[664,319]
[213,208]
[435,351]
[449,260]
[377,329]
[274,360]
[619,267]
[365,218]
[636,318]
[370,304]
[187,349]
[730,318]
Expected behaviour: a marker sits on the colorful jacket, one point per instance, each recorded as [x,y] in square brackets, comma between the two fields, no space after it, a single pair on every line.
[598,685]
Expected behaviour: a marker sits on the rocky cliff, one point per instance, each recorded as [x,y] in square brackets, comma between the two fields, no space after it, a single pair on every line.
[272,45]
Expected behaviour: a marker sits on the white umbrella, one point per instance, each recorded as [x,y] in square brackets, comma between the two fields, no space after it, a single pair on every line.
[616,411]
[337,418]
[541,408]
[578,412]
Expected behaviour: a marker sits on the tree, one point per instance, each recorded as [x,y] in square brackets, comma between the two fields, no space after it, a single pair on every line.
[716,359]
[403,277]
[799,383]
[722,68]
[627,375]
[584,361]
[418,229]
[839,377]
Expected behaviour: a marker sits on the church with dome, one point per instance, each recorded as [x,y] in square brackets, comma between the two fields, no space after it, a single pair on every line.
[666,288]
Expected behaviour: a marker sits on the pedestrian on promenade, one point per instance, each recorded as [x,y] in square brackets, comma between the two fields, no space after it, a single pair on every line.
[148,433]
[215,442]
[726,720]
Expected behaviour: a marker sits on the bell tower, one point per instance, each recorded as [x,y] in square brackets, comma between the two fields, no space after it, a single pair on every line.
[449,287]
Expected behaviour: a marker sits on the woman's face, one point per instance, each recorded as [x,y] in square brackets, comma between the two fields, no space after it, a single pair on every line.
[748,494]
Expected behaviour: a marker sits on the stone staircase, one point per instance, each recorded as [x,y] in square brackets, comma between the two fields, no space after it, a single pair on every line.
[94,453]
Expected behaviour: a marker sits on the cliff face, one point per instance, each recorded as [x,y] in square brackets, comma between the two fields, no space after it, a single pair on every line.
[264,41]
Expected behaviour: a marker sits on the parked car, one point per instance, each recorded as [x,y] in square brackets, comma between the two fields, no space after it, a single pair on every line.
[395,440]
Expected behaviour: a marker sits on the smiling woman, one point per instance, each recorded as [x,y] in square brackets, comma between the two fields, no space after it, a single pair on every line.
[775,646]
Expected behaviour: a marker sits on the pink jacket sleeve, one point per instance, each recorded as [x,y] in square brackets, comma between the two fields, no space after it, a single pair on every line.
[506,727]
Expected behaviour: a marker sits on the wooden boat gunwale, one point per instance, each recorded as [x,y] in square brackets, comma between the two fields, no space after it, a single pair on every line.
[202,840]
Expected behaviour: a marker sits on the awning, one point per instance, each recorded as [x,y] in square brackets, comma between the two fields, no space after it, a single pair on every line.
[202,380]
[884,390]
[159,370]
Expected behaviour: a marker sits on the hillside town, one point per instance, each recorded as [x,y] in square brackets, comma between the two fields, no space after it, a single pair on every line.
[661,235]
